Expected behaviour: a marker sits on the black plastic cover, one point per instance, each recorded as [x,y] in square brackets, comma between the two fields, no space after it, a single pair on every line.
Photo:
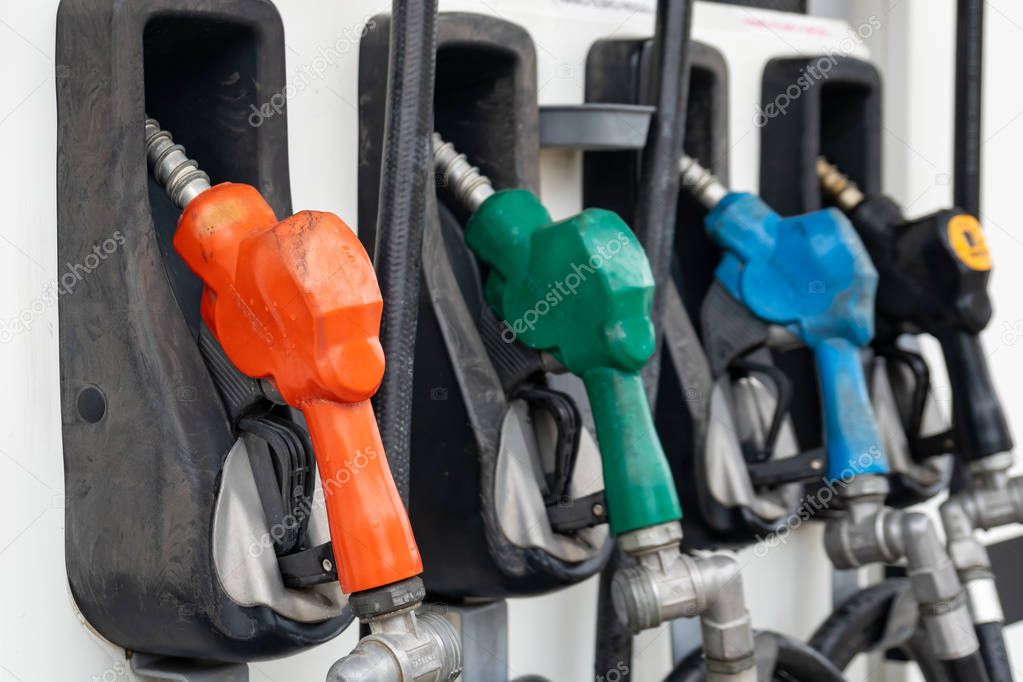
[145,434]
[485,104]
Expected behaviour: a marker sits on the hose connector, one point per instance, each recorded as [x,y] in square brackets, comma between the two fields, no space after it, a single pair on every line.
[871,532]
[403,647]
[991,472]
[470,187]
[993,501]
[179,175]
[666,584]
[843,191]
[701,183]
[660,587]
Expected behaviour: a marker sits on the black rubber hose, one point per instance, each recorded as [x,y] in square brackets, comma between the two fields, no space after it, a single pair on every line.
[655,227]
[657,203]
[793,662]
[969,91]
[992,649]
[614,639]
[857,626]
[966,669]
[981,427]
[406,178]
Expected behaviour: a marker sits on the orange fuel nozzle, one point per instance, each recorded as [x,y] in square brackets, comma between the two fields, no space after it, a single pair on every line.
[297,302]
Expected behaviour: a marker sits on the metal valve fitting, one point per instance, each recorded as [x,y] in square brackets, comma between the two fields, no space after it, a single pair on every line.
[871,532]
[403,647]
[994,500]
[666,584]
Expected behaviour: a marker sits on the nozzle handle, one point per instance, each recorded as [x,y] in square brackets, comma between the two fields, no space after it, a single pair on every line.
[296,302]
[854,444]
[980,425]
[369,529]
[639,487]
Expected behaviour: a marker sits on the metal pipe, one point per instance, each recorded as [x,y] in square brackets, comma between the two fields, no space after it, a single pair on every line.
[997,501]
[871,533]
[725,624]
[403,647]
[666,584]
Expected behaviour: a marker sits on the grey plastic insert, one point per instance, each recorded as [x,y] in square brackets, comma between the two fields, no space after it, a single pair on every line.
[243,552]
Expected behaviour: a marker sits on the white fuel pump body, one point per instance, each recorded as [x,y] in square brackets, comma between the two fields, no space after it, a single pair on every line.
[788,588]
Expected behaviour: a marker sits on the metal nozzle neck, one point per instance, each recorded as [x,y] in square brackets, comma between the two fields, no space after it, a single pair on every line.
[179,175]
[846,195]
[701,183]
[469,186]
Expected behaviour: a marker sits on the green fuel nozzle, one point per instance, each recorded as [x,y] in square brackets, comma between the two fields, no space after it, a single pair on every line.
[580,289]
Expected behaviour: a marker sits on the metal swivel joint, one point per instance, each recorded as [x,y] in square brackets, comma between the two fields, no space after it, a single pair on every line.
[811,274]
[317,347]
[995,499]
[870,532]
[666,584]
[581,290]
[403,644]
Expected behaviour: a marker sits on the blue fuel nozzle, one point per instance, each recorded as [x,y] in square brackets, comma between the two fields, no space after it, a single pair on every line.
[812,275]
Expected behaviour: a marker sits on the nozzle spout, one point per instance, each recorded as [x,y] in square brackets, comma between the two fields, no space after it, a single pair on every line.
[469,186]
[179,175]
[701,183]
[846,195]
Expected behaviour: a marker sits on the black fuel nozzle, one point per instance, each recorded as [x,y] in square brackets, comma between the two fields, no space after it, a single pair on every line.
[933,278]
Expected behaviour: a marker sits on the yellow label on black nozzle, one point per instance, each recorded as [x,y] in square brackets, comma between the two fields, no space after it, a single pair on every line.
[967,239]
